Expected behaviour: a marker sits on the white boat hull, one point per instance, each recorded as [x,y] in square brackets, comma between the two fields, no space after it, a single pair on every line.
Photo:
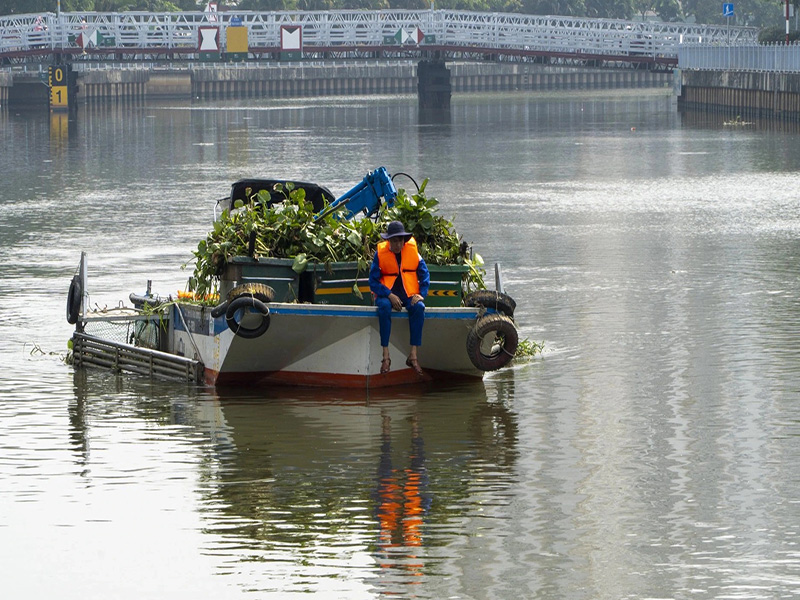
[323,345]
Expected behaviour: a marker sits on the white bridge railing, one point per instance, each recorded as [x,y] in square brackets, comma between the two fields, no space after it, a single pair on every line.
[129,32]
[777,58]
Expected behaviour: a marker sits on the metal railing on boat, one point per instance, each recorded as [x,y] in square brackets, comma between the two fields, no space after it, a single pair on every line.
[91,350]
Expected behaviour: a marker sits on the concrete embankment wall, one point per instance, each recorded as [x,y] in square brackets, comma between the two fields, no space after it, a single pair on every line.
[115,84]
[217,81]
[744,94]
[326,80]
[6,81]
[305,80]
[516,76]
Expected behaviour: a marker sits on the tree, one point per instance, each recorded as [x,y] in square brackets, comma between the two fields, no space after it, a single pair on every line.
[412,4]
[668,10]
[475,5]
[268,5]
[571,8]
[609,9]
[757,13]
[15,7]
[364,4]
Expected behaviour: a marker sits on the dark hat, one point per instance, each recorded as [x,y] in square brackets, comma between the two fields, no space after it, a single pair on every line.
[395,229]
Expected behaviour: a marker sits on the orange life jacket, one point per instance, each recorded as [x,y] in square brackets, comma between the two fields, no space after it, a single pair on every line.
[409,261]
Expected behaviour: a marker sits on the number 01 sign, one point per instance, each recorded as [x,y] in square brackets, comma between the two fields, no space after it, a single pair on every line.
[57,80]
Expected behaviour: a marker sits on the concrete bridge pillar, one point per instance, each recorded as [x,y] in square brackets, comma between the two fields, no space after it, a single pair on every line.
[433,85]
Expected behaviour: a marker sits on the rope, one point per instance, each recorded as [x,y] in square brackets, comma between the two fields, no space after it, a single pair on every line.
[191,337]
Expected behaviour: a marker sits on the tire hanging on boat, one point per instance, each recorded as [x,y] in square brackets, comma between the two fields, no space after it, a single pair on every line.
[502,303]
[219,310]
[492,342]
[74,297]
[243,303]
[260,291]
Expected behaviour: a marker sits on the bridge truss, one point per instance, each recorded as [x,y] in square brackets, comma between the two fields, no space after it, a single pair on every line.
[445,34]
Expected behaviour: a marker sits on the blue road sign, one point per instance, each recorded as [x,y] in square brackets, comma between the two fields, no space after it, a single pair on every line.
[727,9]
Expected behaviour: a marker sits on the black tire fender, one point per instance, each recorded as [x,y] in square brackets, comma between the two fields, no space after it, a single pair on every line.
[74,297]
[492,342]
[244,302]
[259,291]
[502,303]
[220,309]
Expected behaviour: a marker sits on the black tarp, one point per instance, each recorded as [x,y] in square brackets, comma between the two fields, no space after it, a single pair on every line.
[316,194]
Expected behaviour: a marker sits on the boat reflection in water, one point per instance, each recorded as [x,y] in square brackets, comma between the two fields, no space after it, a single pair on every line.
[388,473]
[349,484]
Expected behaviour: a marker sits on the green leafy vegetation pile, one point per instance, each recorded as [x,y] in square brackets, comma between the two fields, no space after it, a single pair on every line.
[528,349]
[288,230]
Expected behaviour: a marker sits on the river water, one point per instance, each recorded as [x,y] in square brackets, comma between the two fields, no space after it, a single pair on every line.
[651,451]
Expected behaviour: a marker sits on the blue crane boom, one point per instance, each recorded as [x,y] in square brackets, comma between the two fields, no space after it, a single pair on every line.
[365,197]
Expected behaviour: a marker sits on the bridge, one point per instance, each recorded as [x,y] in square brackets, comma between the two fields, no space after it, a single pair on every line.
[48,38]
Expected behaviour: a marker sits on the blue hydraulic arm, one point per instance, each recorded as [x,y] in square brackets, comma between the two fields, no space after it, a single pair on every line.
[366,196]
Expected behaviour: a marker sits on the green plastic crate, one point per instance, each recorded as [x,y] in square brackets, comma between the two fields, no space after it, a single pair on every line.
[446,285]
[274,272]
[334,282]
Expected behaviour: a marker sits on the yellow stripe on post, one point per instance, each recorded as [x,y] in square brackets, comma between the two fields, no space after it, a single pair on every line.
[340,290]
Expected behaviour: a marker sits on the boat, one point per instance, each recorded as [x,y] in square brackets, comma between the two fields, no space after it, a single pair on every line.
[271,325]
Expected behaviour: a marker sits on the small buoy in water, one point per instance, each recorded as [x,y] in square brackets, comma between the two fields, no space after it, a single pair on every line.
[633,128]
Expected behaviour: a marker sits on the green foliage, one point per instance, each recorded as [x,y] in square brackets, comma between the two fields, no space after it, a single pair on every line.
[436,240]
[667,10]
[776,35]
[10,7]
[288,230]
[757,13]
[748,12]
[268,5]
[527,349]
[608,9]
[572,8]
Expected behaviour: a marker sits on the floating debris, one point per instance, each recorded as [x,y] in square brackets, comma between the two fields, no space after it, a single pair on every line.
[738,121]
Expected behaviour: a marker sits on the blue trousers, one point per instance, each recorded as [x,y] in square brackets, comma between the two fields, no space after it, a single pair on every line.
[416,317]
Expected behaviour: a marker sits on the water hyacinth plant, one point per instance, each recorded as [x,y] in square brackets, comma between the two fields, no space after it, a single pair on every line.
[288,230]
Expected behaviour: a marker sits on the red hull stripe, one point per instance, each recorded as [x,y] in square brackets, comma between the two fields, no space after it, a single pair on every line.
[295,378]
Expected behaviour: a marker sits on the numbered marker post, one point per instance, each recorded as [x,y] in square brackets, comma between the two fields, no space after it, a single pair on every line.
[58,80]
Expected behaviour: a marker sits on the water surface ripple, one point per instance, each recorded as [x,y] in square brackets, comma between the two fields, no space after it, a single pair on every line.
[650,452]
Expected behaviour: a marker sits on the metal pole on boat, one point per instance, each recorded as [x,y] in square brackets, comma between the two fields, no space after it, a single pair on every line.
[85,295]
[498,279]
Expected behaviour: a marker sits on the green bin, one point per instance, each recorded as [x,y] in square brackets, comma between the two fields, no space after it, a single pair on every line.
[277,273]
[446,288]
[334,282]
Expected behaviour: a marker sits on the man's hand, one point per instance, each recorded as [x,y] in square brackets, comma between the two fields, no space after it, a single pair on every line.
[396,303]
[415,298]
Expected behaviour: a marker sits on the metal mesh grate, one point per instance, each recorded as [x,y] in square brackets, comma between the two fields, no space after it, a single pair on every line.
[141,333]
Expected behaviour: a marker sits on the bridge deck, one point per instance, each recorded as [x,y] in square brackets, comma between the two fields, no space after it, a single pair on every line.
[360,34]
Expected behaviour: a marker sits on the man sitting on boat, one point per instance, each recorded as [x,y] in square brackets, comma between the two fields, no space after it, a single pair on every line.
[399,278]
